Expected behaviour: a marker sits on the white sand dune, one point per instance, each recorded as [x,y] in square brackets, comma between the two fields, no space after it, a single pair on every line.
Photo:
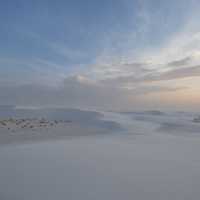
[29,125]
[152,156]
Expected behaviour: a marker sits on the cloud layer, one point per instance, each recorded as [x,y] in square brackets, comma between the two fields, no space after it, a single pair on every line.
[137,54]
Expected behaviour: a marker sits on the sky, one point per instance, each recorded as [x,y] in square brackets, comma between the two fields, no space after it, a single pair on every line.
[108,54]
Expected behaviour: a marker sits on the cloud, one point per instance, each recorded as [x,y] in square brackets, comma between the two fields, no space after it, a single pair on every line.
[178,74]
[78,91]
[177,58]
[181,62]
[181,49]
[155,76]
[116,69]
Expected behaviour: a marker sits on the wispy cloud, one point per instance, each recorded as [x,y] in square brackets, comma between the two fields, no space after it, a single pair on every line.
[184,72]
[180,63]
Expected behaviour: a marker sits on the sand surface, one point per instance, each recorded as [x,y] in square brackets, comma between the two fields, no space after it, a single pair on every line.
[152,156]
[26,125]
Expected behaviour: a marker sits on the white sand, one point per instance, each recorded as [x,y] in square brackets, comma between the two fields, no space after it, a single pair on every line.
[27,125]
[33,130]
[155,158]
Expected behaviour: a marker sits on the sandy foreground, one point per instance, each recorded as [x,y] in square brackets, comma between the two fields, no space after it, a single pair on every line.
[156,158]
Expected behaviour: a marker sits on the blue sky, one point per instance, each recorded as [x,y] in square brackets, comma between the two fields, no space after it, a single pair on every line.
[49,43]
